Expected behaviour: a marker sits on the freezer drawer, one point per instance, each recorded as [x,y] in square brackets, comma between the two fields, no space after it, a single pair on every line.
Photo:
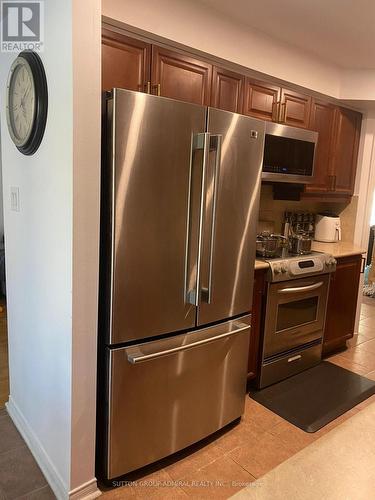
[168,394]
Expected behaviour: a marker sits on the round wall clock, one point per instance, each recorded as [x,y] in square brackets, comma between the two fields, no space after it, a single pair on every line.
[27,102]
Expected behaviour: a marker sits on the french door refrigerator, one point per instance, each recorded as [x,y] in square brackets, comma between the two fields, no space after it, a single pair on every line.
[180,199]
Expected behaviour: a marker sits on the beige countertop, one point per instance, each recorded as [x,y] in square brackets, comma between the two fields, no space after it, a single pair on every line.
[338,249]
[260,264]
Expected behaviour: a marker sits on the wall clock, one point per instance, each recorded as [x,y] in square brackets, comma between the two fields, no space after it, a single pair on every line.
[27,102]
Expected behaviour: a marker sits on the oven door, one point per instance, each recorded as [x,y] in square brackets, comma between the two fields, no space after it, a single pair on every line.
[295,313]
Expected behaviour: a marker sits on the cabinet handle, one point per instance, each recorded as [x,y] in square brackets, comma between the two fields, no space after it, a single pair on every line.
[334,183]
[274,113]
[331,182]
[283,112]
[157,86]
[148,87]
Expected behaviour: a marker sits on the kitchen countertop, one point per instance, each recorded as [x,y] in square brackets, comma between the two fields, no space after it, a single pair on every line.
[338,249]
[260,264]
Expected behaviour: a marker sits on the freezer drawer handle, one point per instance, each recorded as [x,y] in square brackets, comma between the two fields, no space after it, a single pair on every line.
[301,288]
[149,357]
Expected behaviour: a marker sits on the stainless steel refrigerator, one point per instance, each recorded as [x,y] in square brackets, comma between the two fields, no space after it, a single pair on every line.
[180,202]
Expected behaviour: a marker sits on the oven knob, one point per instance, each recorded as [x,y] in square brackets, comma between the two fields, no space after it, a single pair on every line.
[284,268]
[277,269]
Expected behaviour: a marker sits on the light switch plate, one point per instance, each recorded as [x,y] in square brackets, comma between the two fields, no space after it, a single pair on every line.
[15,199]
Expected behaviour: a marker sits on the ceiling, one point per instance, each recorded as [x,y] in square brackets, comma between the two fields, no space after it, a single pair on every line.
[339,31]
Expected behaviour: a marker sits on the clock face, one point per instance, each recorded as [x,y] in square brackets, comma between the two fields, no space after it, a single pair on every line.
[27,102]
[21,102]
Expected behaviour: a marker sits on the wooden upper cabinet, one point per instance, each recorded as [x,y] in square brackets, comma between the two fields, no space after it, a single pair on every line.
[294,108]
[180,77]
[345,149]
[261,100]
[322,121]
[227,90]
[126,62]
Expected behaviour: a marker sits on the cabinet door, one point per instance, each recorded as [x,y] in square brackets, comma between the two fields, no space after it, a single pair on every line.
[342,303]
[256,321]
[294,108]
[227,90]
[261,100]
[125,62]
[181,77]
[322,121]
[345,149]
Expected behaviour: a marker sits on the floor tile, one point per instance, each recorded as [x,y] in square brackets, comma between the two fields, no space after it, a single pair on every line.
[10,437]
[338,466]
[371,375]
[44,493]
[221,479]
[262,455]
[368,322]
[368,345]
[190,462]
[360,357]
[340,360]
[264,418]
[19,473]
[245,432]
[367,311]
[366,331]
[292,436]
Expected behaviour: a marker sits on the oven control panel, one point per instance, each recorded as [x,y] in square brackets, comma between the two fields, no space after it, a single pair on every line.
[302,265]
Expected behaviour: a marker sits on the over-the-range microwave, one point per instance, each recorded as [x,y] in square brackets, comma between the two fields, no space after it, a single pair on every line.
[288,154]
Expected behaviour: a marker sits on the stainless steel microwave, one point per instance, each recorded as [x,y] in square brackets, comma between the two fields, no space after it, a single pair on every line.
[288,154]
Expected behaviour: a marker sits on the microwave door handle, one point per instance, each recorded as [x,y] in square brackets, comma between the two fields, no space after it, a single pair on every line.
[301,289]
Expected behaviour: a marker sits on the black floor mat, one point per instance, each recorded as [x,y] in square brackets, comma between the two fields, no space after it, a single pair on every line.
[315,397]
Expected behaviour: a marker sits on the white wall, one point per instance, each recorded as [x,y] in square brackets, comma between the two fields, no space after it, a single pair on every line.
[52,253]
[86,218]
[39,253]
[195,25]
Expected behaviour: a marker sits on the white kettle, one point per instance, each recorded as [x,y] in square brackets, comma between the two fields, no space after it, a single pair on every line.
[327,228]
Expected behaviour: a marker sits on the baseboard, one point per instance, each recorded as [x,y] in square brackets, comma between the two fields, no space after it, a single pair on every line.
[53,477]
[87,491]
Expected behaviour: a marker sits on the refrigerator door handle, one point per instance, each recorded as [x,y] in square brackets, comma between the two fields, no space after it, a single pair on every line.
[215,145]
[135,359]
[199,141]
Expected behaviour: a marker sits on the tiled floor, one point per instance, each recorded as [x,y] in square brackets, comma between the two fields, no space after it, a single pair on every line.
[339,466]
[20,477]
[262,441]
[217,468]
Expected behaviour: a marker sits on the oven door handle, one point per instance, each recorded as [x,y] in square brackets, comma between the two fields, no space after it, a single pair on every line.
[301,289]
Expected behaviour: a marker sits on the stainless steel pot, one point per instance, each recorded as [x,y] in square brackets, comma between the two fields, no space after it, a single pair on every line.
[300,243]
[270,245]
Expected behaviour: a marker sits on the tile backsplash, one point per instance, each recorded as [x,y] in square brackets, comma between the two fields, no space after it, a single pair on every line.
[271,212]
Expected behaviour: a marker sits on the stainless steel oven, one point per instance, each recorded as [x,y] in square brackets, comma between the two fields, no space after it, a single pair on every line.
[295,313]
